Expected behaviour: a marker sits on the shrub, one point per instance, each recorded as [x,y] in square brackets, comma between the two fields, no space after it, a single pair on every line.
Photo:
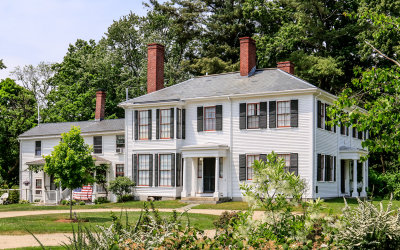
[225,219]
[121,186]
[13,197]
[37,200]
[24,202]
[81,203]
[125,197]
[64,202]
[383,185]
[101,200]
[369,227]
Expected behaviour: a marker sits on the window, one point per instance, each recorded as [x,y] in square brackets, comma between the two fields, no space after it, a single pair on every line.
[144,125]
[97,144]
[144,170]
[253,115]
[326,168]
[250,161]
[344,130]
[165,123]
[221,170]
[38,186]
[283,111]
[321,115]
[119,170]
[165,170]
[286,158]
[200,168]
[209,119]
[120,142]
[38,148]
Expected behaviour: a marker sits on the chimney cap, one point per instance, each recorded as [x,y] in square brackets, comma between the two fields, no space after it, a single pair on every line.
[246,39]
[285,62]
[155,45]
[100,90]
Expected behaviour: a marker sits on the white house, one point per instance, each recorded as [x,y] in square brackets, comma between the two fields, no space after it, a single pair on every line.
[197,140]
[106,136]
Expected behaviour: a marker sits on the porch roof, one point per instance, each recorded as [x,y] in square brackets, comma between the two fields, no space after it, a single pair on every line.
[351,153]
[98,160]
[205,150]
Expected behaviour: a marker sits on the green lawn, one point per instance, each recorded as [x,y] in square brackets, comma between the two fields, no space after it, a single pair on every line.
[50,224]
[232,205]
[130,204]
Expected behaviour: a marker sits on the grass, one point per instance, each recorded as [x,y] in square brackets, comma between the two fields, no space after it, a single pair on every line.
[129,204]
[232,205]
[40,248]
[48,223]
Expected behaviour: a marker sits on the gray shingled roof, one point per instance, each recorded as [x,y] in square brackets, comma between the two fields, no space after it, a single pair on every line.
[86,127]
[264,80]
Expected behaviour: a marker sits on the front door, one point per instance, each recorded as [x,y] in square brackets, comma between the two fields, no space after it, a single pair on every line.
[342,177]
[209,175]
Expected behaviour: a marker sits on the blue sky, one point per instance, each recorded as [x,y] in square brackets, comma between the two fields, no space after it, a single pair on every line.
[32,31]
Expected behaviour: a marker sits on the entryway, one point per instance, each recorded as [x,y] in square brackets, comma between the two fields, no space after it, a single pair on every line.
[208,175]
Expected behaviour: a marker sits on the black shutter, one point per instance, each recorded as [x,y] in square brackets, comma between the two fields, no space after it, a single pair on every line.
[354,132]
[172,124]
[319,172]
[218,116]
[294,163]
[242,167]
[199,119]
[319,116]
[150,121]
[263,115]
[347,131]
[173,169]
[327,119]
[157,123]
[136,125]
[178,124]
[327,168]
[272,114]
[178,169]
[294,113]
[334,168]
[156,170]
[360,135]
[135,169]
[242,116]
[183,123]
[263,157]
[342,129]
[151,170]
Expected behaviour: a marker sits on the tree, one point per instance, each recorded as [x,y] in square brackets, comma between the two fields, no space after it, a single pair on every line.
[101,176]
[2,66]
[17,115]
[71,162]
[36,79]
[121,186]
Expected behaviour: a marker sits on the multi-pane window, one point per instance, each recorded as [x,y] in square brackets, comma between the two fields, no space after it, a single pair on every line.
[253,115]
[165,123]
[283,112]
[119,170]
[97,144]
[250,161]
[38,148]
[200,168]
[38,186]
[286,158]
[326,168]
[165,170]
[120,142]
[144,170]
[209,119]
[144,125]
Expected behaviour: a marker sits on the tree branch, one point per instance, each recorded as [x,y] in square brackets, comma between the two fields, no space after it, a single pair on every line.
[381,53]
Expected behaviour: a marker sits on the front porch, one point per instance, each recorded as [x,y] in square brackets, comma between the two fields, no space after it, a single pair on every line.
[41,188]
[205,173]
[351,178]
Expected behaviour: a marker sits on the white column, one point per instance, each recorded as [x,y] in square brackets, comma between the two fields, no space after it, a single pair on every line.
[184,181]
[216,191]
[364,176]
[355,192]
[194,179]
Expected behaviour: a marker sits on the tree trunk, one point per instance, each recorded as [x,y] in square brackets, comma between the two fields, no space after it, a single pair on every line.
[70,204]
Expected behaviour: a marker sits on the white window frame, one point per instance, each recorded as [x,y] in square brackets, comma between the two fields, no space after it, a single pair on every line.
[161,181]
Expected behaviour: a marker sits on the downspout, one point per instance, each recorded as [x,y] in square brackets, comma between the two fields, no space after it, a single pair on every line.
[231,150]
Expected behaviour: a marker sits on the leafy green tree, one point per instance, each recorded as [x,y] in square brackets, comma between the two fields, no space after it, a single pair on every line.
[17,115]
[71,162]
[2,66]
[121,186]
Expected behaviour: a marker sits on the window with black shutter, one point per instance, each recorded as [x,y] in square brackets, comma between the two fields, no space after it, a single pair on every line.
[218,116]
[199,119]
[294,113]
[242,115]
[320,167]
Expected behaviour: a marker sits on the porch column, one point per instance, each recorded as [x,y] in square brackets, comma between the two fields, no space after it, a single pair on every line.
[216,192]
[194,179]
[184,181]
[355,192]
[364,176]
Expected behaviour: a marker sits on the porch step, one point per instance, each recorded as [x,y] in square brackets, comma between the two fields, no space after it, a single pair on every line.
[204,200]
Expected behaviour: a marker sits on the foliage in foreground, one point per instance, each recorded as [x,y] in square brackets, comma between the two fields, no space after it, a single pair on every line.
[122,188]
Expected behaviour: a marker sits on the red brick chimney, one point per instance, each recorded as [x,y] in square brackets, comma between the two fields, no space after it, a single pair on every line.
[287,66]
[247,56]
[155,67]
[100,105]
